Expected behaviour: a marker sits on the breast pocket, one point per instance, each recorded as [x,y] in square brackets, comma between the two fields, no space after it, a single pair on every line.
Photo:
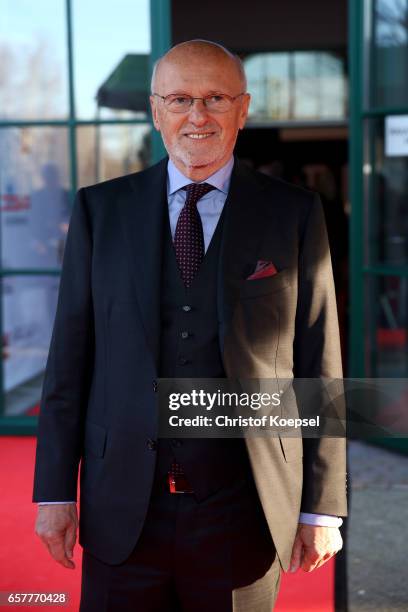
[265,286]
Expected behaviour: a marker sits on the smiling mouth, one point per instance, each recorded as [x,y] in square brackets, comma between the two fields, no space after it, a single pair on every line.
[199,136]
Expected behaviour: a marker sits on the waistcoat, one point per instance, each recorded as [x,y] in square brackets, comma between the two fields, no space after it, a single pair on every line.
[189,348]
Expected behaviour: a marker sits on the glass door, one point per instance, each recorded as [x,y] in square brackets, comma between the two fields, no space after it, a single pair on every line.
[379,188]
[94,124]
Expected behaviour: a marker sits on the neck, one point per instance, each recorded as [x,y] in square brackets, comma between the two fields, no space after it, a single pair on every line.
[197,174]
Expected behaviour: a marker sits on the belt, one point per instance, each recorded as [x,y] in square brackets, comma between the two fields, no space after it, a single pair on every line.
[177,481]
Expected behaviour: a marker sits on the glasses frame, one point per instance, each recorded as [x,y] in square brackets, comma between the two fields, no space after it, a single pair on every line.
[192,98]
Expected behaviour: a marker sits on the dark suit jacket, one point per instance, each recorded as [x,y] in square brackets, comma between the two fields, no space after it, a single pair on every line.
[99,401]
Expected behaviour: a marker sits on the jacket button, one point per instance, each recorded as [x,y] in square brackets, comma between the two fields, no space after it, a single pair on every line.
[155,386]
[186,308]
[184,335]
[182,360]
[151,444]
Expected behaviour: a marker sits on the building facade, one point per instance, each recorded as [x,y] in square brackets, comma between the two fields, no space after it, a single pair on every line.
[329,110]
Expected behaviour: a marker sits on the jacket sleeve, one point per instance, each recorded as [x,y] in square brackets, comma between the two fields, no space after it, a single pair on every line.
[317,355]
[69,369]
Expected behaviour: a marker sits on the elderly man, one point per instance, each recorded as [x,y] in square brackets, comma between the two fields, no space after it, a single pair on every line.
[194,268]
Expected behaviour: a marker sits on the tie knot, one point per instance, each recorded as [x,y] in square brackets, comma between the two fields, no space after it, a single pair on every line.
[195,191]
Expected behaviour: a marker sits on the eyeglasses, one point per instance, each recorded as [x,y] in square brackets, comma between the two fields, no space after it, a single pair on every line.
[214,103]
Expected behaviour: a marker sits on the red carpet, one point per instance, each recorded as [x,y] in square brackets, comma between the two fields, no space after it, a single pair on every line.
[25,565]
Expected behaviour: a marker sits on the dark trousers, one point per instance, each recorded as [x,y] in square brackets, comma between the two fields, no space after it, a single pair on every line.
[212,556]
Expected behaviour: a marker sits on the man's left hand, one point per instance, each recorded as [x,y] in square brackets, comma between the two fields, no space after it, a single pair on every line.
[314,545]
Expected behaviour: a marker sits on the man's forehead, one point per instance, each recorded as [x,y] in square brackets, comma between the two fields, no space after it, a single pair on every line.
[205,73]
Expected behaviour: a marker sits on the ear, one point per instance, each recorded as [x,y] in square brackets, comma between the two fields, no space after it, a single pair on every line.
[153,106]
[246,99]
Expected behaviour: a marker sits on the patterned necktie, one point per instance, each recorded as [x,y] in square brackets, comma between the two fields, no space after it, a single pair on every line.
[189,238]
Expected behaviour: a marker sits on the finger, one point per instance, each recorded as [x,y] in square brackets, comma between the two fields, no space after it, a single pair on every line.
[70,539]
[323,560]
[66,562]
[310,559]
[57,550]
[296,555]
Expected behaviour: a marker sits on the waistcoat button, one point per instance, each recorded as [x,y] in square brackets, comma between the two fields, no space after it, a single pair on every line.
[151,444]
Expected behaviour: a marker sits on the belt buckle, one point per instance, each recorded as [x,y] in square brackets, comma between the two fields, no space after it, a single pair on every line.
[178,483]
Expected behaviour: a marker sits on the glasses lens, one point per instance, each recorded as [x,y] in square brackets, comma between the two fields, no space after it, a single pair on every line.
[177,104]
[218,104]
[181,104]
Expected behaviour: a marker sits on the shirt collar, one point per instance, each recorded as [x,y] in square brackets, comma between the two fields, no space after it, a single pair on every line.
[220,179]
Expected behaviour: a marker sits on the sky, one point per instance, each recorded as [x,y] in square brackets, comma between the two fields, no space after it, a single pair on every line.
[103,33]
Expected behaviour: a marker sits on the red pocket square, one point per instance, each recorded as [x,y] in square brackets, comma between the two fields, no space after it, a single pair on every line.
[263,269]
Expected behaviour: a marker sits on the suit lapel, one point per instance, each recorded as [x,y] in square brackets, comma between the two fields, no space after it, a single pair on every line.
[142,222]
[241,237]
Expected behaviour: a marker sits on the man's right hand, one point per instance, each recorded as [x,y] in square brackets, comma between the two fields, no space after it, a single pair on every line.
[56,526]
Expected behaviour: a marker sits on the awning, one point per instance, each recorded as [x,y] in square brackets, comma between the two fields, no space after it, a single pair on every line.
[128,87]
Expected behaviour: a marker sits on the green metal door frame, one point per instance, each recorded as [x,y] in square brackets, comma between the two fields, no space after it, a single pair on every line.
[356,340]
[160,29]
[361,110]
[359,113]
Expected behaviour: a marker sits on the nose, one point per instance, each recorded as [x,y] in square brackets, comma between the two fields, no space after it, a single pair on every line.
[198,113]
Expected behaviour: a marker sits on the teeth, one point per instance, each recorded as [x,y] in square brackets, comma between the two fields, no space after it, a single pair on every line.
[198,136]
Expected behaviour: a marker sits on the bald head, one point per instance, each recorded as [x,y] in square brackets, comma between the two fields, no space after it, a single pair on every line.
[199,136]
[199,52]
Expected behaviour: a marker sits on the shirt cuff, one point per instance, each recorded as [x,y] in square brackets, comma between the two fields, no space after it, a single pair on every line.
[55,503]
[320,520]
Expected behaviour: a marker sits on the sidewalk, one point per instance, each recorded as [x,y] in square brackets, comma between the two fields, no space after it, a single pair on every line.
[378,530]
